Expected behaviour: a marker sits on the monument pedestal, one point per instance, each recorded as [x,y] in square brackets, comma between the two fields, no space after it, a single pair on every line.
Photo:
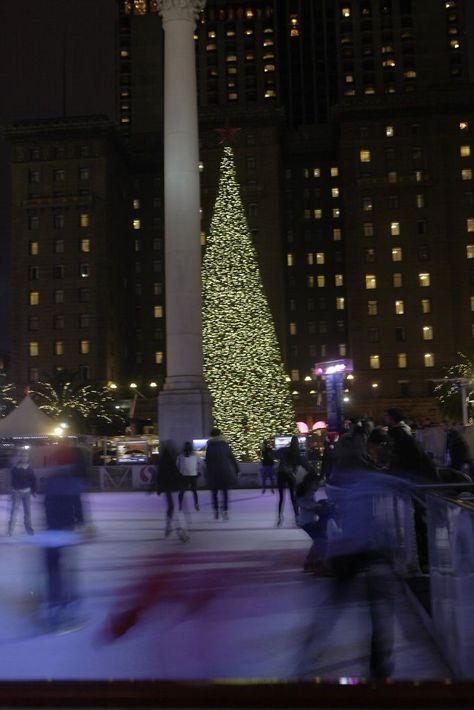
[184,414]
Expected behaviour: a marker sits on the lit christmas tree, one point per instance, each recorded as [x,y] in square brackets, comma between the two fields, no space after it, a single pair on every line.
[242,361]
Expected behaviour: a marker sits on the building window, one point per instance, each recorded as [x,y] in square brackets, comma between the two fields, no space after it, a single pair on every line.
[310,281]
[321,281]
[370,281]
[33,374]
[33,323]
[396,254]
[470,224]
[402,360]
[292,328]
[157,311]
[425,304]
[465,151]
[340,303]
[84,174]
[33,248]
[372,308]
[290,259]
[58,322]
[424,279]
[85,245]
[392,176]
[84,347]
[369,255]
[420,201]
[58,221]
[58,271]
[33,348]
[399,307]
[334,171]
[393,202]
[368,229]
[84,270]
[34,176]
[59,175]
[364,155]
[397,280]
[400,335]
[389,131]
[83,295]
[336,212]
[84,320]
[423,253]
[373,335]
[342,349]
[334,192]
[466,174]
[59,347]
[33,273]
[338,280]
[470,251]
[429,359]
[318,213]
[367,204]
[58,295]
[158,357]
[336,234]
[395,229]
[84,219]
[34,298]
[33,222]
[59,246]
[427,332]
[374,362]
[320,258]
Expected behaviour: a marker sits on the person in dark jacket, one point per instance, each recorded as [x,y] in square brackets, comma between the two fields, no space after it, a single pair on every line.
[290,459]
[64,517]
[267,466]
[23,484]
[221,471]
[169,481]
[457,449]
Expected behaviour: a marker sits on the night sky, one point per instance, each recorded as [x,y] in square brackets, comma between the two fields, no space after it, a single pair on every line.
[57,58]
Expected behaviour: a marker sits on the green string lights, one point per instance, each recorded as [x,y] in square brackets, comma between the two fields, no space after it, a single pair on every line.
[242,361]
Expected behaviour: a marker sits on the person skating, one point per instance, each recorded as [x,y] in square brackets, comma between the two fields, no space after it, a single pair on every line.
[23,486]
[188,466]
[221,471]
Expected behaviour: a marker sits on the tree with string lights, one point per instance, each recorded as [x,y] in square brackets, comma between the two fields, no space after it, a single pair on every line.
[242,361]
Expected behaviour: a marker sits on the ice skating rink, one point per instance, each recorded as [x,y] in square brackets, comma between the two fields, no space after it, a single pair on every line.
[232,602]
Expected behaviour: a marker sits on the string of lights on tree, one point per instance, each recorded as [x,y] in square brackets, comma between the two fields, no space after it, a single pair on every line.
[242,360]
[448,393]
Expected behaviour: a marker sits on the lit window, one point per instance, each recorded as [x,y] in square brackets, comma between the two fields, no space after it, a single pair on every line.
[342,348]
[34,298]
[374,361]
[320,257]
[364,155]
[290,259]
[158,357]
[389,131]
[33,348]
[84,219]
[392,176]
[425,305]
[136,204]
[410,74]
[310,258]
[292,328]
[85,245]
[137,224]
[399,307]
[424,279]
[396,254]
[59,347]
[372,308]
[158,311]
[427,331]
[321,281]
[472,303]
[340,303]
[269,94]
[310,281]
[420,201]
[397,280]
[84,347]
[336,234]
[336,212]
[334,192]
[464,126]
[454,44]
[349,78]
[84,270]
[33,248]
[395,229]
[466,174]
[334,171]
[470,224]
[465,151]
[470,251]
[402,360]
[370,281]
[318,213]
[429,359]
[307,214]
[367,204]
[338,280]
[368,229]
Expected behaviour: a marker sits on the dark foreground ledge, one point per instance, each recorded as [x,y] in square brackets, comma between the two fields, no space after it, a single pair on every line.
[341,693]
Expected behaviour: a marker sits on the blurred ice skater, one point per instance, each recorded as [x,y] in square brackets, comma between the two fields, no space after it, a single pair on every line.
[23,484]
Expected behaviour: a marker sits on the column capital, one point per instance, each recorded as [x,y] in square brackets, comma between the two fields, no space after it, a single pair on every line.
[180,9]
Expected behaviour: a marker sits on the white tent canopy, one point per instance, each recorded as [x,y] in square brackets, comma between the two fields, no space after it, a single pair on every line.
[27,420]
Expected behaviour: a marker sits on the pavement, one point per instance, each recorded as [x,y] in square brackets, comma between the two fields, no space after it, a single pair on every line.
[231,603]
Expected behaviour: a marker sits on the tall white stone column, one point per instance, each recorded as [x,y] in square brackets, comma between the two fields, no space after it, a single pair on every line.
[183,405]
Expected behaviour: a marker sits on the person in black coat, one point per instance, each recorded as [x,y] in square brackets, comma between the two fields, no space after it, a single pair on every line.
[222,471]
[23,483]
[169,481]
[290,459]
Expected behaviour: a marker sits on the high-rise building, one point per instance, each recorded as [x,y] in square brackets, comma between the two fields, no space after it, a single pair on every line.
[354,160]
